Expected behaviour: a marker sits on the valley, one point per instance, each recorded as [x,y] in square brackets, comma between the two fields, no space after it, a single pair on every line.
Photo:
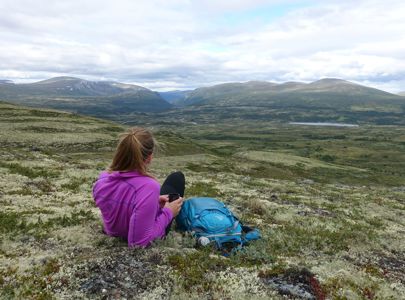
[324,100]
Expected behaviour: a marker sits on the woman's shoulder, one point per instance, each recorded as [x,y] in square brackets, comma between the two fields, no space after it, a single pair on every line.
[133,178]
[103,174]
[143,181]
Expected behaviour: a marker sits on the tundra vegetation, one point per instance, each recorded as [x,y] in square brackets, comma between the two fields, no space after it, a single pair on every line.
[329,203]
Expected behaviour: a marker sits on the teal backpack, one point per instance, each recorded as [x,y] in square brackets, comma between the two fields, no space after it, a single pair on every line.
[211,222]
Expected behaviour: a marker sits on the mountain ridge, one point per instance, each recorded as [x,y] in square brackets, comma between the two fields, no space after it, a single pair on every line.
[322,92]
[68,86]
[327,99]
[6,81]
[99,98]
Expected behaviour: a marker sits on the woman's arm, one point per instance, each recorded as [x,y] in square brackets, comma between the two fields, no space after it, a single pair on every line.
[148,221]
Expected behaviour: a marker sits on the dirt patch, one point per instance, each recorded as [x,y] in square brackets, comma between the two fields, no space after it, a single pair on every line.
[393,266]
[296,283]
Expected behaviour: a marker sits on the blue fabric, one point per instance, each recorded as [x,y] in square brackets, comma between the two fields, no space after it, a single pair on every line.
[208,217]
[252,235]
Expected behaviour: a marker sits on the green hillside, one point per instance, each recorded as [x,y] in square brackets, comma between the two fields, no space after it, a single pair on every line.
[322,93]
[66,87]
[97,98]
[328,201]
[324,100]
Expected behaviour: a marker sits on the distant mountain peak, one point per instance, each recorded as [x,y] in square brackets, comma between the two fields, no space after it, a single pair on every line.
[331,81]
[59,79]
[79,83]
[85,96]
[260,82]
[126,86]
[293,82]
[66,86]
[5,81]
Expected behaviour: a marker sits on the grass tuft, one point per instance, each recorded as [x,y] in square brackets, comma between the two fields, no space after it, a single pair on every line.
[29,172]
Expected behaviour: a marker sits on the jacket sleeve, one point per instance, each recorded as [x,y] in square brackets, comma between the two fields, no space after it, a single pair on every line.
[148,221]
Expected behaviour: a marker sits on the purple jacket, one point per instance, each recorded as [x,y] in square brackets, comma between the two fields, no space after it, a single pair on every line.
[129,204]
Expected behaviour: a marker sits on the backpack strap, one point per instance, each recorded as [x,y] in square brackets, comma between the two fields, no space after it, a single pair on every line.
[221,235]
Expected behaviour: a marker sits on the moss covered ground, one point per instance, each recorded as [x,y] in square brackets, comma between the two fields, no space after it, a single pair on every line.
[330,203]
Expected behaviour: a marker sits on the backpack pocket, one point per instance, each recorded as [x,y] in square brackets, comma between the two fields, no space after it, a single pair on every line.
[213,221]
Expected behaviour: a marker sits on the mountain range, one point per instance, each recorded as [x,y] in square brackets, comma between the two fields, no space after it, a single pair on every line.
[68,86]
[325,99]
[327,92]
[100,98]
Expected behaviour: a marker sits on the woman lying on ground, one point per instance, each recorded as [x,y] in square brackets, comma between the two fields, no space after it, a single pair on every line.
[132,204]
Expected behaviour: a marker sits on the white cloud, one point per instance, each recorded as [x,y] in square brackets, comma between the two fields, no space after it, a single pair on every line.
[183,43]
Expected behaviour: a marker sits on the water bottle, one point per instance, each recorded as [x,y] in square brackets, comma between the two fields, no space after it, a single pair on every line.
[203,241]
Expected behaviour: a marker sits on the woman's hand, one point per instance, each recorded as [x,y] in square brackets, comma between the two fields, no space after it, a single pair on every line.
[175,206]
[163,199]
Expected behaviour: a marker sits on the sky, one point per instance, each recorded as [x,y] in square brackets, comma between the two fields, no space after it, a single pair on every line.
[183,44]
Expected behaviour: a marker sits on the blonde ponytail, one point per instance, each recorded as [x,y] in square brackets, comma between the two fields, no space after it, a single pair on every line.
[134,148]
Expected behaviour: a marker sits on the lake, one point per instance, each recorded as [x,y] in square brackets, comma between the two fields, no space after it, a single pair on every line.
[324,124]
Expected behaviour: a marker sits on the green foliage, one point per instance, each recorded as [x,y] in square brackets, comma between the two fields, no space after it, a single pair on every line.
[44,129]
[51,266]
[34,188]
[193,269]
[275,270]
[45,113]
[200,189]
[9,221]
[75,218]
[29,286]
[24,191]
[197,269]
[75,183]
[254,254]
[14,222]
[172,144]
[336,285]
[28,171]
[255,206]
[295,239]
[112,128]
[327,158]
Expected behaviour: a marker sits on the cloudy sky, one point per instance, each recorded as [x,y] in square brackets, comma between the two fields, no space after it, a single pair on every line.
[182,44]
